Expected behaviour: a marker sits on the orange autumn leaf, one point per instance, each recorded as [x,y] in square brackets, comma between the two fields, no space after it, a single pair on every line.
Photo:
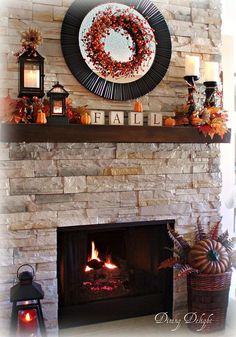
[213,109]
[206,130]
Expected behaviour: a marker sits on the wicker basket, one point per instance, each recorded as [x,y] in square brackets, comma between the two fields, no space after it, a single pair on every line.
[207,301]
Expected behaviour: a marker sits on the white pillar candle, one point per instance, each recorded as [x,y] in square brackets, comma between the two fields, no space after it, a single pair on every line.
[192,65]
[211,71]
[31,78]
[57,107]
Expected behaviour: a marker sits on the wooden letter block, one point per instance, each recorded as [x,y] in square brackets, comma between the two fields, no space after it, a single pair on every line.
[135,118]
[154,119]
[97,117]
[116,118]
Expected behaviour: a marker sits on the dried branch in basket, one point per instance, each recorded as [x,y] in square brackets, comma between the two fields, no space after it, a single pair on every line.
[199,232]
[168,263]
[184,271]
[178,239]
[214,231]
[223,237]
[210,254]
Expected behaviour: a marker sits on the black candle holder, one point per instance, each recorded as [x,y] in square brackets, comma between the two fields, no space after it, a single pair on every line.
[191,88]
[210,90]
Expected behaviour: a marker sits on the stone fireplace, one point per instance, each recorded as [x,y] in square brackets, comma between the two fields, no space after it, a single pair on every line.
[48,187]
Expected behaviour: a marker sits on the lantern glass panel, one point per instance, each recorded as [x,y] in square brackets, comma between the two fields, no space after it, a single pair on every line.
[31,75]
[28,325]
[57,107]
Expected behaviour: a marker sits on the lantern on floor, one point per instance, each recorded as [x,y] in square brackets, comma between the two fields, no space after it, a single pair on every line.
[27,317]
[31,74]
[57,96]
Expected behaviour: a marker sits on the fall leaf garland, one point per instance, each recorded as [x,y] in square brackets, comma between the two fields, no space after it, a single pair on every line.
[214,123]
[126,23]
[210,118]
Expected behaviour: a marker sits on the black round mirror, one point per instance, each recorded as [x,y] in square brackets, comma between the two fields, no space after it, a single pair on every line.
[118,50]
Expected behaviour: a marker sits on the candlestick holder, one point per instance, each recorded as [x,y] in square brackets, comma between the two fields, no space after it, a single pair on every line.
[191,79]
[211,87]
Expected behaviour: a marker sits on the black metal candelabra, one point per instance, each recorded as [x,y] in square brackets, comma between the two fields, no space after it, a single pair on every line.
[191,79]
[211,87]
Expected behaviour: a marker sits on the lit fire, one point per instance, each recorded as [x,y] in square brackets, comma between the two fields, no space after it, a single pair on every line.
[95,256]
[108,264]
[28,317]
[94,253]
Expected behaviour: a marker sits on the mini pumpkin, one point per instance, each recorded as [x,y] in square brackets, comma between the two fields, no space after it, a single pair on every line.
[138,106]
[86,118]
[41,118]
[169,121]
[209,257]
[195,121]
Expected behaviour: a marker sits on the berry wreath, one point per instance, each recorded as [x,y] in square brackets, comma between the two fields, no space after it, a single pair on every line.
[127,24]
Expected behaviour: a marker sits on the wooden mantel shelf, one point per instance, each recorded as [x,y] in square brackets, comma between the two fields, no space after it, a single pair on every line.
[72,133]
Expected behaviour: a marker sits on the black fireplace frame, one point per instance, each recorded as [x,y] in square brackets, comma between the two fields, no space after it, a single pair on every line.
[123,307]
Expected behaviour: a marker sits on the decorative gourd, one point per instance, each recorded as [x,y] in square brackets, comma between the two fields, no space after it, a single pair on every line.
[169,121]
[41,118]
[138,106]
[86,118]
[209,257]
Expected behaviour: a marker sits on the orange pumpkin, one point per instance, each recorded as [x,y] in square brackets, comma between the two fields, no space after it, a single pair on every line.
[169,121]
[41,118]
[138,106]
[209,256]
[86,119]
[196,121]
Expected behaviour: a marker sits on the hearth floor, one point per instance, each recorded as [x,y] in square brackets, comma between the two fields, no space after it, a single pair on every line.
[146,327]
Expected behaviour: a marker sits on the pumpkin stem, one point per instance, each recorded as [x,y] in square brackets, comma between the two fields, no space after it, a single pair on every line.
[213,255]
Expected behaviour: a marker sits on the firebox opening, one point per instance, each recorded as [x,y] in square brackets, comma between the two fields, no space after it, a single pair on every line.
[108,272]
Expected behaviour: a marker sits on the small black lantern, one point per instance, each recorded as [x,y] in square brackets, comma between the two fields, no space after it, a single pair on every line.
[27,317]
[57,96]
[31,79]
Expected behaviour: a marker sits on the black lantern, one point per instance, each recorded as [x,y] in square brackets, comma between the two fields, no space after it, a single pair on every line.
[57,96]
[27,317]
[31,80]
